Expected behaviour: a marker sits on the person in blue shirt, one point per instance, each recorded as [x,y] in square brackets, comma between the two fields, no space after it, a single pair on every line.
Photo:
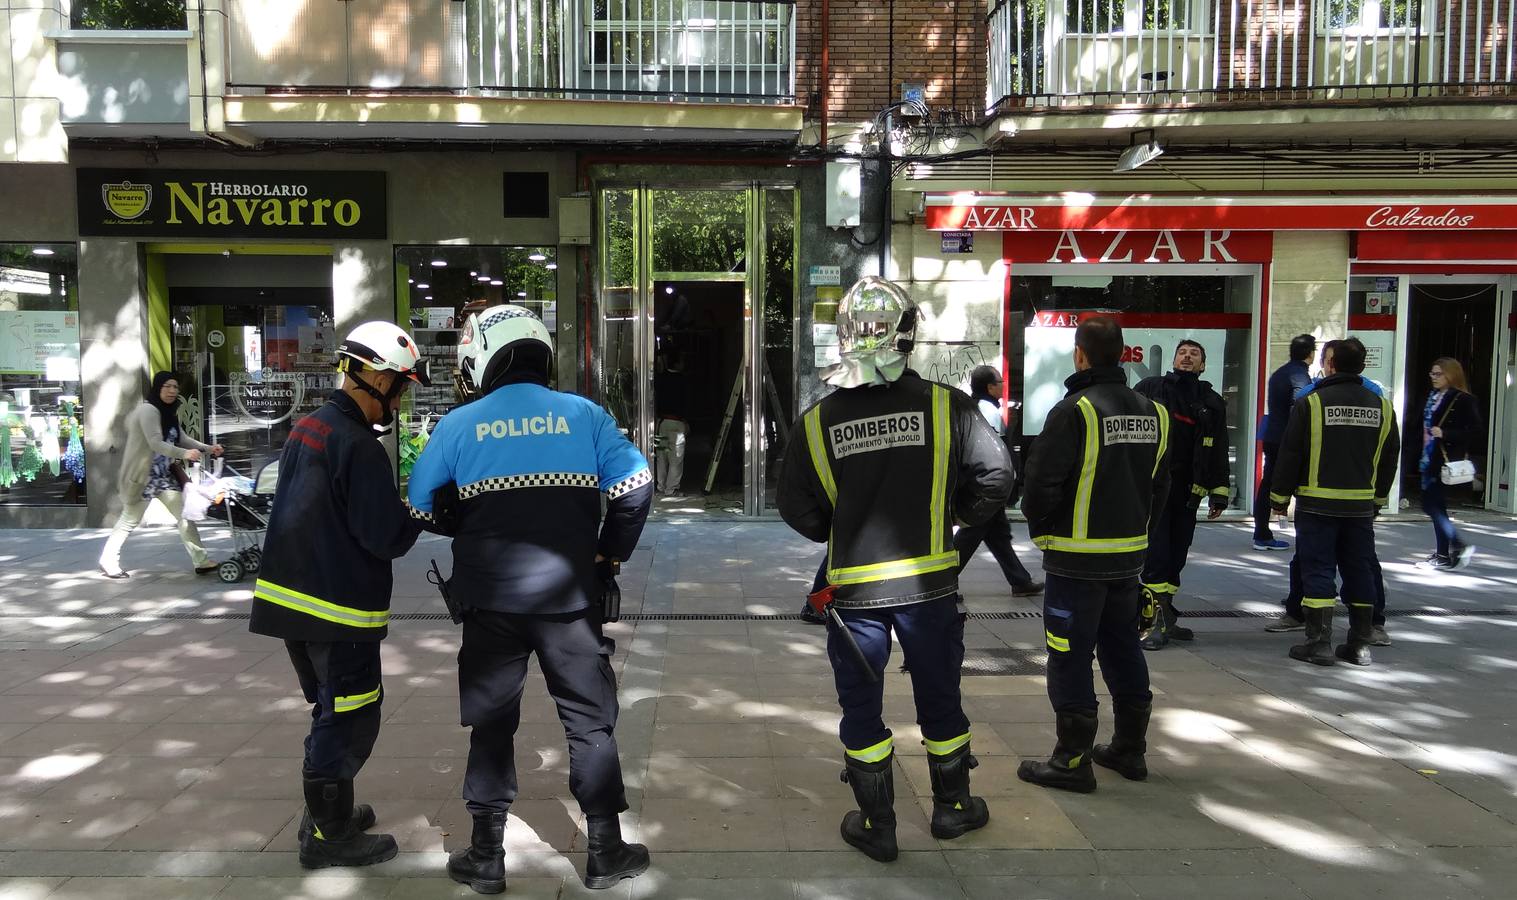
[1293,619]
[1281,393]
[517,477]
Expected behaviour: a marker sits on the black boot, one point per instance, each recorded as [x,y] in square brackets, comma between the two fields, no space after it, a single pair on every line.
[1318,646]
[1128,741]
[1178,632]
[363,820]
[871,827]
[954,811]
[482,864]
[1361,621]
[1069,768]
[611,858]
[334,839]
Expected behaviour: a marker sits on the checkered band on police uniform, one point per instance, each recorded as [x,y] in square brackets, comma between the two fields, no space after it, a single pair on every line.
[628,485]
[536,479]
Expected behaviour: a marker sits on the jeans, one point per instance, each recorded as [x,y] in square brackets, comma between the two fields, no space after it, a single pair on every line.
[131,517]
[1436,505]
[670,459]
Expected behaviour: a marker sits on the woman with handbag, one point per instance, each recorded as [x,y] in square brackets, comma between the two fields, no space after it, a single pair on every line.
[1450,423]
[152,468]
[986,386]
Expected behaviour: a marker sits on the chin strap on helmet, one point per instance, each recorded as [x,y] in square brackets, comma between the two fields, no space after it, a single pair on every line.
[384,398]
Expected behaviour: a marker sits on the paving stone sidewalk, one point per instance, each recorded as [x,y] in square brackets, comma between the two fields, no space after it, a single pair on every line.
[149,746]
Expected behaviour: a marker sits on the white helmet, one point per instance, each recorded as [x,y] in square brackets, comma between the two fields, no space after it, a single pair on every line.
[382,347]
[876,329]
[513,329]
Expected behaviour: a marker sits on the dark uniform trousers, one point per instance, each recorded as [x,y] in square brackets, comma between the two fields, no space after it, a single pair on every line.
[932,640]
[341,682]
[1293,600]
[1170,540]
[576,662]
[1329,545]
[1262,511]
[1093,618]
[996,535]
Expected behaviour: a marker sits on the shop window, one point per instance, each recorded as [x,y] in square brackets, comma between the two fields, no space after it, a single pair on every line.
[1126,16]
[41,414]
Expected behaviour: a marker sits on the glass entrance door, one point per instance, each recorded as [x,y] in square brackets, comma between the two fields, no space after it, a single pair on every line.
[696,292]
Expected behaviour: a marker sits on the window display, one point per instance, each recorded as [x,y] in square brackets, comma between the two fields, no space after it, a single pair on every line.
[41,416]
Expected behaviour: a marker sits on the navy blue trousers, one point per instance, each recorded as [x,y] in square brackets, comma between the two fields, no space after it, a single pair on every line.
[1086,619]
[1293,600]
[1327,546]
[341,682]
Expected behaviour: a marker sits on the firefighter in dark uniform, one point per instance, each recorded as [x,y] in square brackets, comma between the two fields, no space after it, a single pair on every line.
[1095,477]
[1198,468]
[532,559]
[325,582]
[1339,460]
[880,469]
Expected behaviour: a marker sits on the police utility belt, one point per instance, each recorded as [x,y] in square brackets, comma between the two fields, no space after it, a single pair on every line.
[610,599]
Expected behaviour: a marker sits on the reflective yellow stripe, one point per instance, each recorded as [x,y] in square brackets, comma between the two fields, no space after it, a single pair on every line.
[1198,490]
[872,754]
[900,568]
[943,748]
[1385,430]
[321,609]
[1362,605]
[1222,491]
[1323,493]
[1319,602]
[940,445]
[1091,545]
[1278,498]
[357,701]
[1057,643]
[1208,442]
[1315,425]
[1087,469]
[1163,412]
[819,453]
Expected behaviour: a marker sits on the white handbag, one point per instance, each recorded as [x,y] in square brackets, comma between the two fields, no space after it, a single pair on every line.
[1459,471]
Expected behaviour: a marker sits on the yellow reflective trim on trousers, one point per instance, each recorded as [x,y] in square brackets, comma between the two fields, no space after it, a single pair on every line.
[1091,545]
[1385,430]
[321,609]
[900,568]
[356,701]
[940,444]
[943,748]
[1323,493]
[819,454]
[1315,424]
[1319,602]
[1087,468]
[1163,412]
[872,754]
[1057,643]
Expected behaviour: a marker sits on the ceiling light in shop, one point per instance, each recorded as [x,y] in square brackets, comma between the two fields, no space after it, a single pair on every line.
[429,296]
[439,263]
[551,266]
[423,286]
[496,282]
[537,257]
[410,281]
[472,274]
[484,278]
[521,293]
[42,251]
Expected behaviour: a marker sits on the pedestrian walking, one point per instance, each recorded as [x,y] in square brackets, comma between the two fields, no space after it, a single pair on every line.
[986,389]
[534,562]
[1284,382]
[324,587]
[1450,425]
[880,469]
[1097,478]
[151,469]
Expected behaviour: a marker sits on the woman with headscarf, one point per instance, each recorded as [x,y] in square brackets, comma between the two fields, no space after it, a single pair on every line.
[154,442]
[1450,423]
[986,387]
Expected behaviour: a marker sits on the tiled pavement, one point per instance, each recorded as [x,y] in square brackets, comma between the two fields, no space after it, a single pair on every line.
[149,745]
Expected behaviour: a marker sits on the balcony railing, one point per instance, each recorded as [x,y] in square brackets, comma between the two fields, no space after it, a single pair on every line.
[719,51]
[1178,52]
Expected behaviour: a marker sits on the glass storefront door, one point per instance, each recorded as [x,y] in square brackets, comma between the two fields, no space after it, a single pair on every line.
[691,282]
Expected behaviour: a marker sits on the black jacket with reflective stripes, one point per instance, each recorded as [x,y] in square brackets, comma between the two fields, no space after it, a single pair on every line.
[1340,451]
[337,523]
[881,473]
[1198,463]
[1097,477]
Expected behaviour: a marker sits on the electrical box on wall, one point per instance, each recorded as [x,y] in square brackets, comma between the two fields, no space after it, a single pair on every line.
[845,189]
[574,220]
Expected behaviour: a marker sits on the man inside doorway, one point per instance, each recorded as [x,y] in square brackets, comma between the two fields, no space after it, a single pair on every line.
[671,400]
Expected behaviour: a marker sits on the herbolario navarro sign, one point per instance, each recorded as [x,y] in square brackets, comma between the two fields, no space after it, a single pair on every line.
[219,203]
[268,397]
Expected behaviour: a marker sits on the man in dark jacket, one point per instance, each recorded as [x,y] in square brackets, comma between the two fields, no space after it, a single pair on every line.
[1198,467]
[1279,396]
[325,582]
[1096,477]
[880,469]
[1339,460]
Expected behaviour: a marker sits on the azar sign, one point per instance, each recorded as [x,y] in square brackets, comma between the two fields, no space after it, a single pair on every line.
[1163,246]
[231,204]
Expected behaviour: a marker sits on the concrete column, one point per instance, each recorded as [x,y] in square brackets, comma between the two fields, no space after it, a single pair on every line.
[1308,290]
[113,357]
[31,129]
[363,289]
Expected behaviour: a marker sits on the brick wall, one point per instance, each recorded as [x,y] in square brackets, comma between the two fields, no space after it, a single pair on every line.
[937,43]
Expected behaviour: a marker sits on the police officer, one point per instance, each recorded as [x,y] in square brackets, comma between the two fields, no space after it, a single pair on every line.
[1339,459]
[1097,476]
[1284,382]
[531,558]
[325,582]
[1198,468]
[880,469]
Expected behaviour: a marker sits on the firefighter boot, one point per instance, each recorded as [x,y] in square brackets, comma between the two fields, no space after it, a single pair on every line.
[1177,632]
[1128,741]
[1069,768]
[871,827]
[611,858]
[363,820]
[954,812]
[1318,646]
[482,864]
[1361,622]
[335,839]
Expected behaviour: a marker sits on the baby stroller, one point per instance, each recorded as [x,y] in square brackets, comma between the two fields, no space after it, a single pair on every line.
[244,504]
